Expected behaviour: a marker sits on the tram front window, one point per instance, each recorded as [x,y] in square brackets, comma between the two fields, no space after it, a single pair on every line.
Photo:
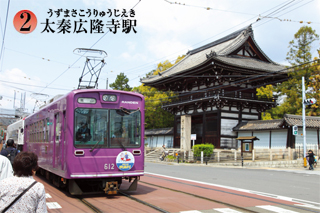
[106,128]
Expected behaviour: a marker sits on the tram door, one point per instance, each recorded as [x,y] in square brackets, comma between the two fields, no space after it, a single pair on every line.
[63,140]
[56,144]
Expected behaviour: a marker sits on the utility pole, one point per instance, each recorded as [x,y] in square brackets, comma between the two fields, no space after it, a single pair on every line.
[107,84]
[304,123]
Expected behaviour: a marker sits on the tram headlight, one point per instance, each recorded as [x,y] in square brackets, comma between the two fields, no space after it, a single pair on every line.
[111,98]
[87,100]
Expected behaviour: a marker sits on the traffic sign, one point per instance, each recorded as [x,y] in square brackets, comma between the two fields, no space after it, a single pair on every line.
[193,137]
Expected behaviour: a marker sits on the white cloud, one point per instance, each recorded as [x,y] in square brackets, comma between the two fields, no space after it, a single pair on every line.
[163,47]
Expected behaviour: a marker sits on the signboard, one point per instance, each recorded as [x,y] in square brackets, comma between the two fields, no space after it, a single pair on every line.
[125,161]
[193,137]
[247,146]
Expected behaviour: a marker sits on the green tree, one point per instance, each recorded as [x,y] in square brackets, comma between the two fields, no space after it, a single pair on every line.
[162,66]
[314,84]
[291,91]
[266,92]
[155,116]
[121,83]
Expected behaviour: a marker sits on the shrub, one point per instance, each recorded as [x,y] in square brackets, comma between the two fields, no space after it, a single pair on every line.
[206,148]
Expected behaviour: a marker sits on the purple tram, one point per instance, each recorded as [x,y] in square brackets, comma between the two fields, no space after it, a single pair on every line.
[88,141]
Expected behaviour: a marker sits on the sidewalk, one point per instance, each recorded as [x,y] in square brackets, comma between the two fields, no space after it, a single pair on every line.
[289,166]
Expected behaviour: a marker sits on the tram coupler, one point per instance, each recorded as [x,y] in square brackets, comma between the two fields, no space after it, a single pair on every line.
[111,188]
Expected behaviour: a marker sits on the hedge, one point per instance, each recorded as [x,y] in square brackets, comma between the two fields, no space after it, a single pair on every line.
[206,148]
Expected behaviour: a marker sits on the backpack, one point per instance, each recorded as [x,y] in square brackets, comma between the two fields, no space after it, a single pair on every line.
[11,154]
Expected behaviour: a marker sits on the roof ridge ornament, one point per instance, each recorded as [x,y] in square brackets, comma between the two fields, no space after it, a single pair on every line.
[211,54]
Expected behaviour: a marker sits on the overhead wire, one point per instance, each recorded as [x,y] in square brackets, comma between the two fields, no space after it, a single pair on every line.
[166,57]
[55,88]
[84,53]
[4,31]
[259,24]
[281,8]
[273,12]
[42,58]
[89,48]
[286,3]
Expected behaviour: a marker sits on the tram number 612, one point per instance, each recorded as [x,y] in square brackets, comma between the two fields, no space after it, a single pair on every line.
[108,166]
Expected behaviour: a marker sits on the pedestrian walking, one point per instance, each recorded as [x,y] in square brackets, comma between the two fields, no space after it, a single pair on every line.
[5,168]
[21,193]
[10,151]
[310,157]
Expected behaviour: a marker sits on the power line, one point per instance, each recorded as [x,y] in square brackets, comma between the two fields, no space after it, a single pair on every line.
[285,13]
[43,58]
[85,52]
[207,8]
[210,37]
[89,48]
[5,27]
[35,86]
[280,8]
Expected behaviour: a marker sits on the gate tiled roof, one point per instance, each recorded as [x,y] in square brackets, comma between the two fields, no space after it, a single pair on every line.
[220,50]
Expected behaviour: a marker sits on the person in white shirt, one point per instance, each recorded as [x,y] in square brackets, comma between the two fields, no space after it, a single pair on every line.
[5,168]
[25,166]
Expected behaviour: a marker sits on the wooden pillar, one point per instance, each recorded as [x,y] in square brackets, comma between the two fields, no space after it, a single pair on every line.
[174,145]
[185,140]
[219,128]
[204,128]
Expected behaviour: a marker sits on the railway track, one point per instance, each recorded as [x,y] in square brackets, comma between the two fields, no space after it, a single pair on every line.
[237,208]
[162,209]
[241,209]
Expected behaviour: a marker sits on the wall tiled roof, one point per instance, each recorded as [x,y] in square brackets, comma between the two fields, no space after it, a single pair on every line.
[258,125]
[311,121]
[161,131]
[288,120]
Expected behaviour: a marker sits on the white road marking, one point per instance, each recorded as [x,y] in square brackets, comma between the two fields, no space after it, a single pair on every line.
[48,195]
[226,210]
[308,206]
[299,201]
[284,198]
[276,209]
[191,211]
[53,205]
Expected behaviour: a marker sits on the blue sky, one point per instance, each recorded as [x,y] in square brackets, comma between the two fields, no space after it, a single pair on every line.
[41,62]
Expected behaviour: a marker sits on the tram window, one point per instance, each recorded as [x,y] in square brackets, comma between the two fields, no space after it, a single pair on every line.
[107,128]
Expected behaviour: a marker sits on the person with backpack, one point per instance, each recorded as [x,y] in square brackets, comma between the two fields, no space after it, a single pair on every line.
[310,157]
[22,193]
[10,152]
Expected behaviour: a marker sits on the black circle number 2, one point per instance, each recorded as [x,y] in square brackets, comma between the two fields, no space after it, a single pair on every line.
[25,29]
[25,21]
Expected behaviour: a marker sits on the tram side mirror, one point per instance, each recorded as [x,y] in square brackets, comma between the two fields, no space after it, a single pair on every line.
[21,130]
